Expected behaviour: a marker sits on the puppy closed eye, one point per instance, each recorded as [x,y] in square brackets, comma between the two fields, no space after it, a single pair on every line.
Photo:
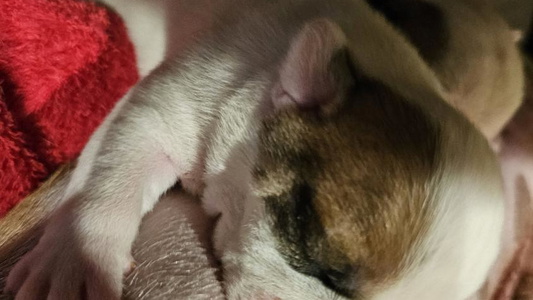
[303,243]
[344,282]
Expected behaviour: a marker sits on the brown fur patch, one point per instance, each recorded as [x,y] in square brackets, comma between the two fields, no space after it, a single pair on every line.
[348,193]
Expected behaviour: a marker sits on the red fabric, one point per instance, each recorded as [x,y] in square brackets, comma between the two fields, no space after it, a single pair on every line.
[63,65]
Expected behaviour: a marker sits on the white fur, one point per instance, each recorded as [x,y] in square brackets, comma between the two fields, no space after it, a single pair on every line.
[196,119]
[86,158]
[464,237]
[146,22]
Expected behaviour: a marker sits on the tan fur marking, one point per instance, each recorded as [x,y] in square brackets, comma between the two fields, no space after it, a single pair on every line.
[371,188]
[382,182]
[24,218]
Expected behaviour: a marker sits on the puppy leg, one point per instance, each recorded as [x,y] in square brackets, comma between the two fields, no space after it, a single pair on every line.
[516,156]
[86,246]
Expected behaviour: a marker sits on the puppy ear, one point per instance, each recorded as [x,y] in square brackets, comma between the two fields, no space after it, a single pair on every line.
[308,77]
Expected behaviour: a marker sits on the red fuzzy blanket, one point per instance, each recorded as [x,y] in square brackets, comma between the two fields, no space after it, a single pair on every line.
[63,65]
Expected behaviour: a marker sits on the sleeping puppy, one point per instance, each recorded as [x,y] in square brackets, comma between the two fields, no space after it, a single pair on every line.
[322,139]
[471,50]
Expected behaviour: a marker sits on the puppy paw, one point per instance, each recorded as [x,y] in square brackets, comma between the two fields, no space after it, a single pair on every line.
[60,267]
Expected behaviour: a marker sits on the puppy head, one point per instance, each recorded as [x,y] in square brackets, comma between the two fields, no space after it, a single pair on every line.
[360,188]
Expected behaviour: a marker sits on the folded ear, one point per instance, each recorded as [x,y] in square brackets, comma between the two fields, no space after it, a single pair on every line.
[309,77]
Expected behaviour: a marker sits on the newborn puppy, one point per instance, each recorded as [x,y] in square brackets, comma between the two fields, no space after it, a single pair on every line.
[323,140]
[473,52]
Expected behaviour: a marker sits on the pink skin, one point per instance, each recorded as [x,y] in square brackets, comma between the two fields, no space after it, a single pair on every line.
[515,266]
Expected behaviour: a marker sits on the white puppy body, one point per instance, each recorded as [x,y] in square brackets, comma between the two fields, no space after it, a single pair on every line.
[197,119]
